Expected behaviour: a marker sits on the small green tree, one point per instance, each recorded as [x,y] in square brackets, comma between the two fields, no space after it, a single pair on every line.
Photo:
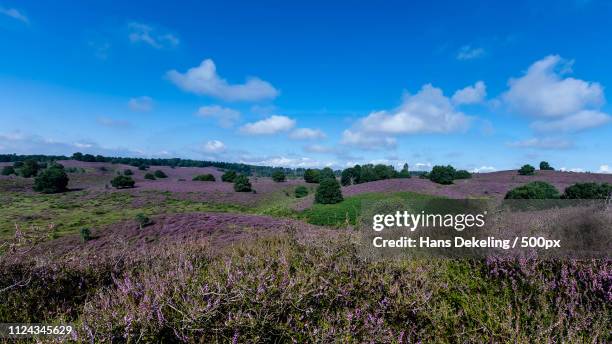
[279,176]
[544,166]
[85,234]
[121,182]
[204,178]
[527,170]
[442,174]
[149,176]
[229,176]
[405,172]
[311,176]
[588,191]
[142,220]
[242,184]
[143,167]
[301,191]
[326,173]
[346,177]
[51,180]
[462,174]
[8,170]
[29,169]
[328,192]
[160,174]
[534,190]
[128,172]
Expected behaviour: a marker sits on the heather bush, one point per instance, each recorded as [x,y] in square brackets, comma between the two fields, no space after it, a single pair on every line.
[534,190]
[311,176]
[242,184]
[545,166]
[588,191]
[121,182]
[51,180]
[228,176]
[128,172]
[160,174]
[142,220]
[8,170]
[442,174]
[527,170]
[301,191]
[149,176]
[85,234]
[143,167]
[204,178]
[328,192]
[279,176]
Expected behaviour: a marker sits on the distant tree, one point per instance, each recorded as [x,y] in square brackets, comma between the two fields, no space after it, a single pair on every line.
[357,174]
[89,158]
[51,180]
[279,176]
[29,169]
[326,173]
[149,176]
[544,166]
[8,170]
[462,174]
[346,177]
[311,176]
[405,172]
[242,184]
[527,170]
[204,178]
[128,172]
[384,172]
[18,164]
[588,191]
[77,156]
[442,174]
[143,167]
[328,192]
[228,176]
[368,174]
[121,182]
[160,174]
[301,191]
[534,190]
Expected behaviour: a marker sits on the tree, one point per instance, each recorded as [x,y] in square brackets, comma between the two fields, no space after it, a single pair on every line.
[346,177]
[149,176]
[544,166]
[301,191]
[442,174]
[279,176]
[128,172]
[533,190]
[51,180]
[8,170]
[405,172]
[29,169]
[160,174]
[326,173]
[328,192]
[228,176]
[588,191]
[242,184]
[463,174]
[204,178]
[311,176]
[121,182]
[527,170]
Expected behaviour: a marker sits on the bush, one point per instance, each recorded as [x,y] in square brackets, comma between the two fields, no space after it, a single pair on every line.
[128,172]
[301,191]
[527,170]
[328,192]
[533,190]
[143,167]
[588,191]
[8,170]
[311,176]
[463,174]
[442,174]
[544,166]
[18,164]
[279,176]
[51,180]
[326,173]
[160,174]
[405,172]
[29,169]
[149,176]
[85,234]
[204,178]
[228,176]
[242,184]
[143,220]
[346,177]
[121,182]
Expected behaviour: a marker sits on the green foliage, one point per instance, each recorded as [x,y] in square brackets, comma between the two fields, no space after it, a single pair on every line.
[405,172]
[527,170]
[346,177]
[462,174]
[29,169]
[204,178]
[142,220]
[325,173]
[85,234]
[328,192]
[242,184]
[544,166]
[160,174]
[588,191]
[18,164]
[442,174]
[128,172]
[279,176]
[534,190]
[8,170]
[301,191]
[311,176]
[143,167]
[51,180]
[149,176]
[121,182]
[229,176]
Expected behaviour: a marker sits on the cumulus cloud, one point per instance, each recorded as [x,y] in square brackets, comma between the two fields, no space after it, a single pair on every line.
[483,169]
[366,141]
[113,123]
[271,125]
[204,80]
[471,94]
[542,143]
[142,33]
[575,169]
[562,103]
[306,134]
[15,14]
[214,146]
[604,169]
[467,52]
[284,161]
[315,148]
[226,117]
[141,104]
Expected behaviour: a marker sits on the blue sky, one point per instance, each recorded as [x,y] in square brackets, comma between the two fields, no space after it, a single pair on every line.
[481,85]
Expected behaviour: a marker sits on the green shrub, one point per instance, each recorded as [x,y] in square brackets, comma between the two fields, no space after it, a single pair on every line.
[121,182]
[128,172]
[149,176]
[279,176]
[544,166]
[160,174]
[204,178]
[18,164]
[143,220]
[527,170]
[242,184]
[311,176]
[463,174]
[29,169]
[301,191]
[143,167]
[326,173]
[588,191]
[8,170]
[328,192]
[442,174]
[85,234]
[346,177]
[228,176]
[51,180]
[405,172]
[534,190]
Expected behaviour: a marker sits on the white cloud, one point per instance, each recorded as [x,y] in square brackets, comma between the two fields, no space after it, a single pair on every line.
[226,117]
[214,146]
[468,52]
[15,14]
[604,169]
[306,134]
[270,125]
[318,149]
[113,123]
[575,169]
[142,33]
[422,166]
[366,141]
[542,143]
[204,80]
[142,104]
[582,120]
[471,94]
[483,169]
[283,161]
